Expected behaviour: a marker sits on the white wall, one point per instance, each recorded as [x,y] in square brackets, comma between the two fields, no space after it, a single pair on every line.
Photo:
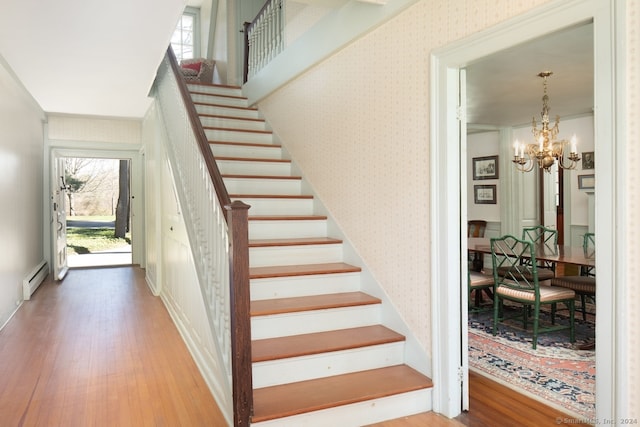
[482,145]
[21,189]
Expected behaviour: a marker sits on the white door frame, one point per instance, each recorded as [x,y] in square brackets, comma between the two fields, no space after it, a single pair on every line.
[137,195]
[447,218]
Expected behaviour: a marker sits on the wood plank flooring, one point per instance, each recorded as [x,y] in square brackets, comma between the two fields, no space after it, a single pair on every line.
[98,349]
[492,405]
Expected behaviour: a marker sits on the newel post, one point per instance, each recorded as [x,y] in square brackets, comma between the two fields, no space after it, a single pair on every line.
[238,225]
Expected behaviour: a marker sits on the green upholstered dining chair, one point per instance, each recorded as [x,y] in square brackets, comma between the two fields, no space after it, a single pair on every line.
[518,283]
[583,285]
[478,282]
[548,237]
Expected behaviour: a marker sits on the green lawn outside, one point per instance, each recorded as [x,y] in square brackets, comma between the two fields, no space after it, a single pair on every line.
[89,240]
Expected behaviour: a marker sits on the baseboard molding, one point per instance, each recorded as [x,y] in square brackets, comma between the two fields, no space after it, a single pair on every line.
[35,277]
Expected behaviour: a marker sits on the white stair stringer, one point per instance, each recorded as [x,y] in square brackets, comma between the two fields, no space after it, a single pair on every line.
[256,171]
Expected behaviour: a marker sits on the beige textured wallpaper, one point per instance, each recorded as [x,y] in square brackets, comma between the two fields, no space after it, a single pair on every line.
[94,129]
[358,126]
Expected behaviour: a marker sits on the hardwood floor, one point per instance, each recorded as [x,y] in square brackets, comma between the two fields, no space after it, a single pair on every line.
[98,349]
[492,405]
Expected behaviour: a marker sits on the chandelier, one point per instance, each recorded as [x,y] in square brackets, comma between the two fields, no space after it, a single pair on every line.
[547,149]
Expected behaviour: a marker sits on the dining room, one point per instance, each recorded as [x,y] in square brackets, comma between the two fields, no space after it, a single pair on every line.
[517,180]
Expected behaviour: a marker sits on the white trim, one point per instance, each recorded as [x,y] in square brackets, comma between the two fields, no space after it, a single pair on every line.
[610,143]
[58,149]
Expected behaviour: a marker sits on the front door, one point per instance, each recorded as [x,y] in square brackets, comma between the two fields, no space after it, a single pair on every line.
[59,218]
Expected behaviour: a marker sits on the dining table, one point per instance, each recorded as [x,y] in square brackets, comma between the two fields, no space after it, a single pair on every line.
[575,255]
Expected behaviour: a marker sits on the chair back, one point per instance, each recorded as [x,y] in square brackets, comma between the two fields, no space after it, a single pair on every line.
[508,254]
[589,247]
[476,228]
[540,235]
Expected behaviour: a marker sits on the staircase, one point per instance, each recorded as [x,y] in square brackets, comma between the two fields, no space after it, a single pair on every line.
[319,352]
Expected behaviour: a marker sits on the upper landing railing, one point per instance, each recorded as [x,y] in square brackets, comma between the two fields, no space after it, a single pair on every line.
[263,38]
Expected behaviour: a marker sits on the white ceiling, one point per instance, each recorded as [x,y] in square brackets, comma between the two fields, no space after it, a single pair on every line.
[97,57]
[88,57]
[504,89]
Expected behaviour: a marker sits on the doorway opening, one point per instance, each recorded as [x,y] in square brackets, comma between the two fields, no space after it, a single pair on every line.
[98,211]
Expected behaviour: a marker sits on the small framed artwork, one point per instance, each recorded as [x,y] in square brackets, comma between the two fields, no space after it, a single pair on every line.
[588,160]
[485,167]
[484,194]
[586,182]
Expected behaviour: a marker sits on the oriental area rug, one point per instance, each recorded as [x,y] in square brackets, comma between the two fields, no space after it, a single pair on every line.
[557,373]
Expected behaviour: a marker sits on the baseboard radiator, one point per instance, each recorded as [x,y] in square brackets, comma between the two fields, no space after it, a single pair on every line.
[34,279]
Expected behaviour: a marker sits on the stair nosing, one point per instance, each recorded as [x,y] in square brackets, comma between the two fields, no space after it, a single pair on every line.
[242,98]
[220,129]
[311,303]
[272,196]
[287,217]
[251,159]
[263,177]
[263,350]
[213,85]
[300,241]
[302,270]
[221,116]
[245,144]
[207,104]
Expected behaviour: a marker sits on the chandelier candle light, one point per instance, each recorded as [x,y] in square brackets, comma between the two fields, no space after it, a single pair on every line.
[547,150]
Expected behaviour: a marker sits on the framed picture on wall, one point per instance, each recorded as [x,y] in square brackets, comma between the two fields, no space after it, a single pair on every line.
[588,160]
[484,194]
[485,167]
[586,182]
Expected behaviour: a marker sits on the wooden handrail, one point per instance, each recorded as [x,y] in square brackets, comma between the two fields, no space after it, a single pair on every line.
[237,219]
[201,137]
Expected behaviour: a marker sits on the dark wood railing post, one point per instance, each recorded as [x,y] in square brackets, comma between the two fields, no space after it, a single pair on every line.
[245,30]
[238,225]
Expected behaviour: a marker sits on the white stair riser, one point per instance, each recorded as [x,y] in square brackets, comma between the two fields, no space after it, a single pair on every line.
[221,122]
[263,186]
[279,206]
[306,322]
[287,229]
[239,167]
[216,90]
[227,111]
[361,413]
[294,255]
[276,372]
[247,152]
[299,286]
[239,136]
[220,100]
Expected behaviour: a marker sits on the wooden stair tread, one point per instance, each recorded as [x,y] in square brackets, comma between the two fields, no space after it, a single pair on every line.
[301,270]
[287,217]
[208,104]
[322,342]
[251,159]
[271,196]
[266,132]
[221,95]
[263,177]
[313,302]
[190,83]
[221,116]
[244,144]
[312,395]
[261,243]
